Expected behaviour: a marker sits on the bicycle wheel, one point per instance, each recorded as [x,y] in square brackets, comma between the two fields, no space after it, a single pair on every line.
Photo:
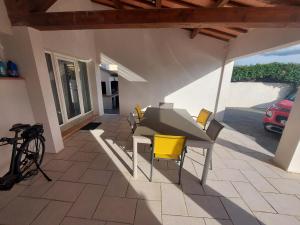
[32,149]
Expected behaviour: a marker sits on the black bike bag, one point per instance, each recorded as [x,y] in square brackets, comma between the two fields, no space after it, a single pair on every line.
[33,131]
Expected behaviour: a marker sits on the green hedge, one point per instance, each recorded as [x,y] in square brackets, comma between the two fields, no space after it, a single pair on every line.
[273,72]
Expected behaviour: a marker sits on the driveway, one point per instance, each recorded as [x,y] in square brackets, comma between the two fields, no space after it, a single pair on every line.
[249,122]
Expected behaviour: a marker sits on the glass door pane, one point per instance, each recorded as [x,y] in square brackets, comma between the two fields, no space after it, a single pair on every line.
[70,89]
[54,88]
[85,86]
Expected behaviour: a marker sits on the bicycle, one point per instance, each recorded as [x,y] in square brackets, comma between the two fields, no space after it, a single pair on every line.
[28,148]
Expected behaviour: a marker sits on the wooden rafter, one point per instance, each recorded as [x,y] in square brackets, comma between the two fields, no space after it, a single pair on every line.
[221,3]
[158,3]
[118,4]
[163,18]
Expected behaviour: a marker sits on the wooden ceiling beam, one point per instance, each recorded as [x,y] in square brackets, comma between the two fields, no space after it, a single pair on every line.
[163,18]
[27,6]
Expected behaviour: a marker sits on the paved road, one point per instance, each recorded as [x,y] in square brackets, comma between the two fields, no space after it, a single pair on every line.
[249,122]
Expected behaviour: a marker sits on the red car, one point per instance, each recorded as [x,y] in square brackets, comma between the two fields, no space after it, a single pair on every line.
[277,115]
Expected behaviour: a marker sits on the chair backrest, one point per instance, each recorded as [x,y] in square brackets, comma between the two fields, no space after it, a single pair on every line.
[203,117]
[167,146]
[138,110]
[214,129]
[166,105]
[132,122]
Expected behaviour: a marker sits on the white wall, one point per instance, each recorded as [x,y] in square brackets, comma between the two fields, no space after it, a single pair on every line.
[164,65]
[5,26]
[256,94]
[15,107]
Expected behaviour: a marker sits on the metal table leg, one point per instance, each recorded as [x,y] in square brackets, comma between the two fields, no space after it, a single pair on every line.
[207,164]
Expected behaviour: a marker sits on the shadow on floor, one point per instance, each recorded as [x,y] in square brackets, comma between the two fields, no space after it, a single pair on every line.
[249,122]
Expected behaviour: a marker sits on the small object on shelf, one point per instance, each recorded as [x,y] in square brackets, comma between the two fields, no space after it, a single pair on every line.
[12,69]
[2,69]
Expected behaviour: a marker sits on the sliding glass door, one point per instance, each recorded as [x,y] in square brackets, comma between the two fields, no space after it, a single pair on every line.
[70,87]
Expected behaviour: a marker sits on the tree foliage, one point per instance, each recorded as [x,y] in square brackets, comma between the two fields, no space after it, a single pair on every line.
[273,72]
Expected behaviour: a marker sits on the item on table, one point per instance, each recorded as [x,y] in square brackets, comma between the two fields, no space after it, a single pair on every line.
[12,69]
[2,69]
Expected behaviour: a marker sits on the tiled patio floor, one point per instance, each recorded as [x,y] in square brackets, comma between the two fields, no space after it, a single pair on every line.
[93,185]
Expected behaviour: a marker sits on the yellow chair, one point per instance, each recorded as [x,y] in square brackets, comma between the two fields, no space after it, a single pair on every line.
[139,112]
[168,147]
[203,117]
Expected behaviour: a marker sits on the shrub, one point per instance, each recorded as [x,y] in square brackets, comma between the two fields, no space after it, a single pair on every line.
[273,72]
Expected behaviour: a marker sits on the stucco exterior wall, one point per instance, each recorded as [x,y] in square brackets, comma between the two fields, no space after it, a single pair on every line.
[163,65]
[15,107]
[256,94]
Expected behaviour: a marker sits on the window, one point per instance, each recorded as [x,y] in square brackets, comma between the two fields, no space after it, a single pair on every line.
[54,88]
[85,87]
[103,85]
[70,87]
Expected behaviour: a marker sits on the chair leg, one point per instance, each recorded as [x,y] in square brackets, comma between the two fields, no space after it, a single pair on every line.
[181,165]
[151,170]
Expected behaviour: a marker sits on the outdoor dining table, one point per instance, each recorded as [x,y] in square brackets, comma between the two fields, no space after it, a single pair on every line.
[171,122]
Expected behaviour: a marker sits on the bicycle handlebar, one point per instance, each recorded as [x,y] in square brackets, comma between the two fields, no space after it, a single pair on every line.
[6,141]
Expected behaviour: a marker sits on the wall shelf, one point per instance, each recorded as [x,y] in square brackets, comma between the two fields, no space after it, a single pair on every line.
[12,78]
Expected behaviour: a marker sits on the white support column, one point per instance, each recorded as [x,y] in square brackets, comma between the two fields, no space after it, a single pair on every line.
[25,47]
[223,90]
[288,151]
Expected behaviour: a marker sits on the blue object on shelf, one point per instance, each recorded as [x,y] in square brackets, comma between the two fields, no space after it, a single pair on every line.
[2,69]
[12,69]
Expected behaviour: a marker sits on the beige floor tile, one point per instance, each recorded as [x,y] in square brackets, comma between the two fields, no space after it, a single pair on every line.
[286,186]
[237,164]
[65,154]
[258,181]
[252,197]
[239,212]
[75,171]
[263,169]
[181,220]
[77,221]
[96,177]
[276,219]
[22,211]
[118,185]
[220,188]
[7,196]
[114,223]
[100,162]
[148,213]
[144,190]
[116,209]
[87,201]
[53,214]
[191,185]
[83,156]
[95,147]
[58,165]
[41,185]
[217,222]
[229,175]
[284,204]
[64,191]
[205,206]
[173,200]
